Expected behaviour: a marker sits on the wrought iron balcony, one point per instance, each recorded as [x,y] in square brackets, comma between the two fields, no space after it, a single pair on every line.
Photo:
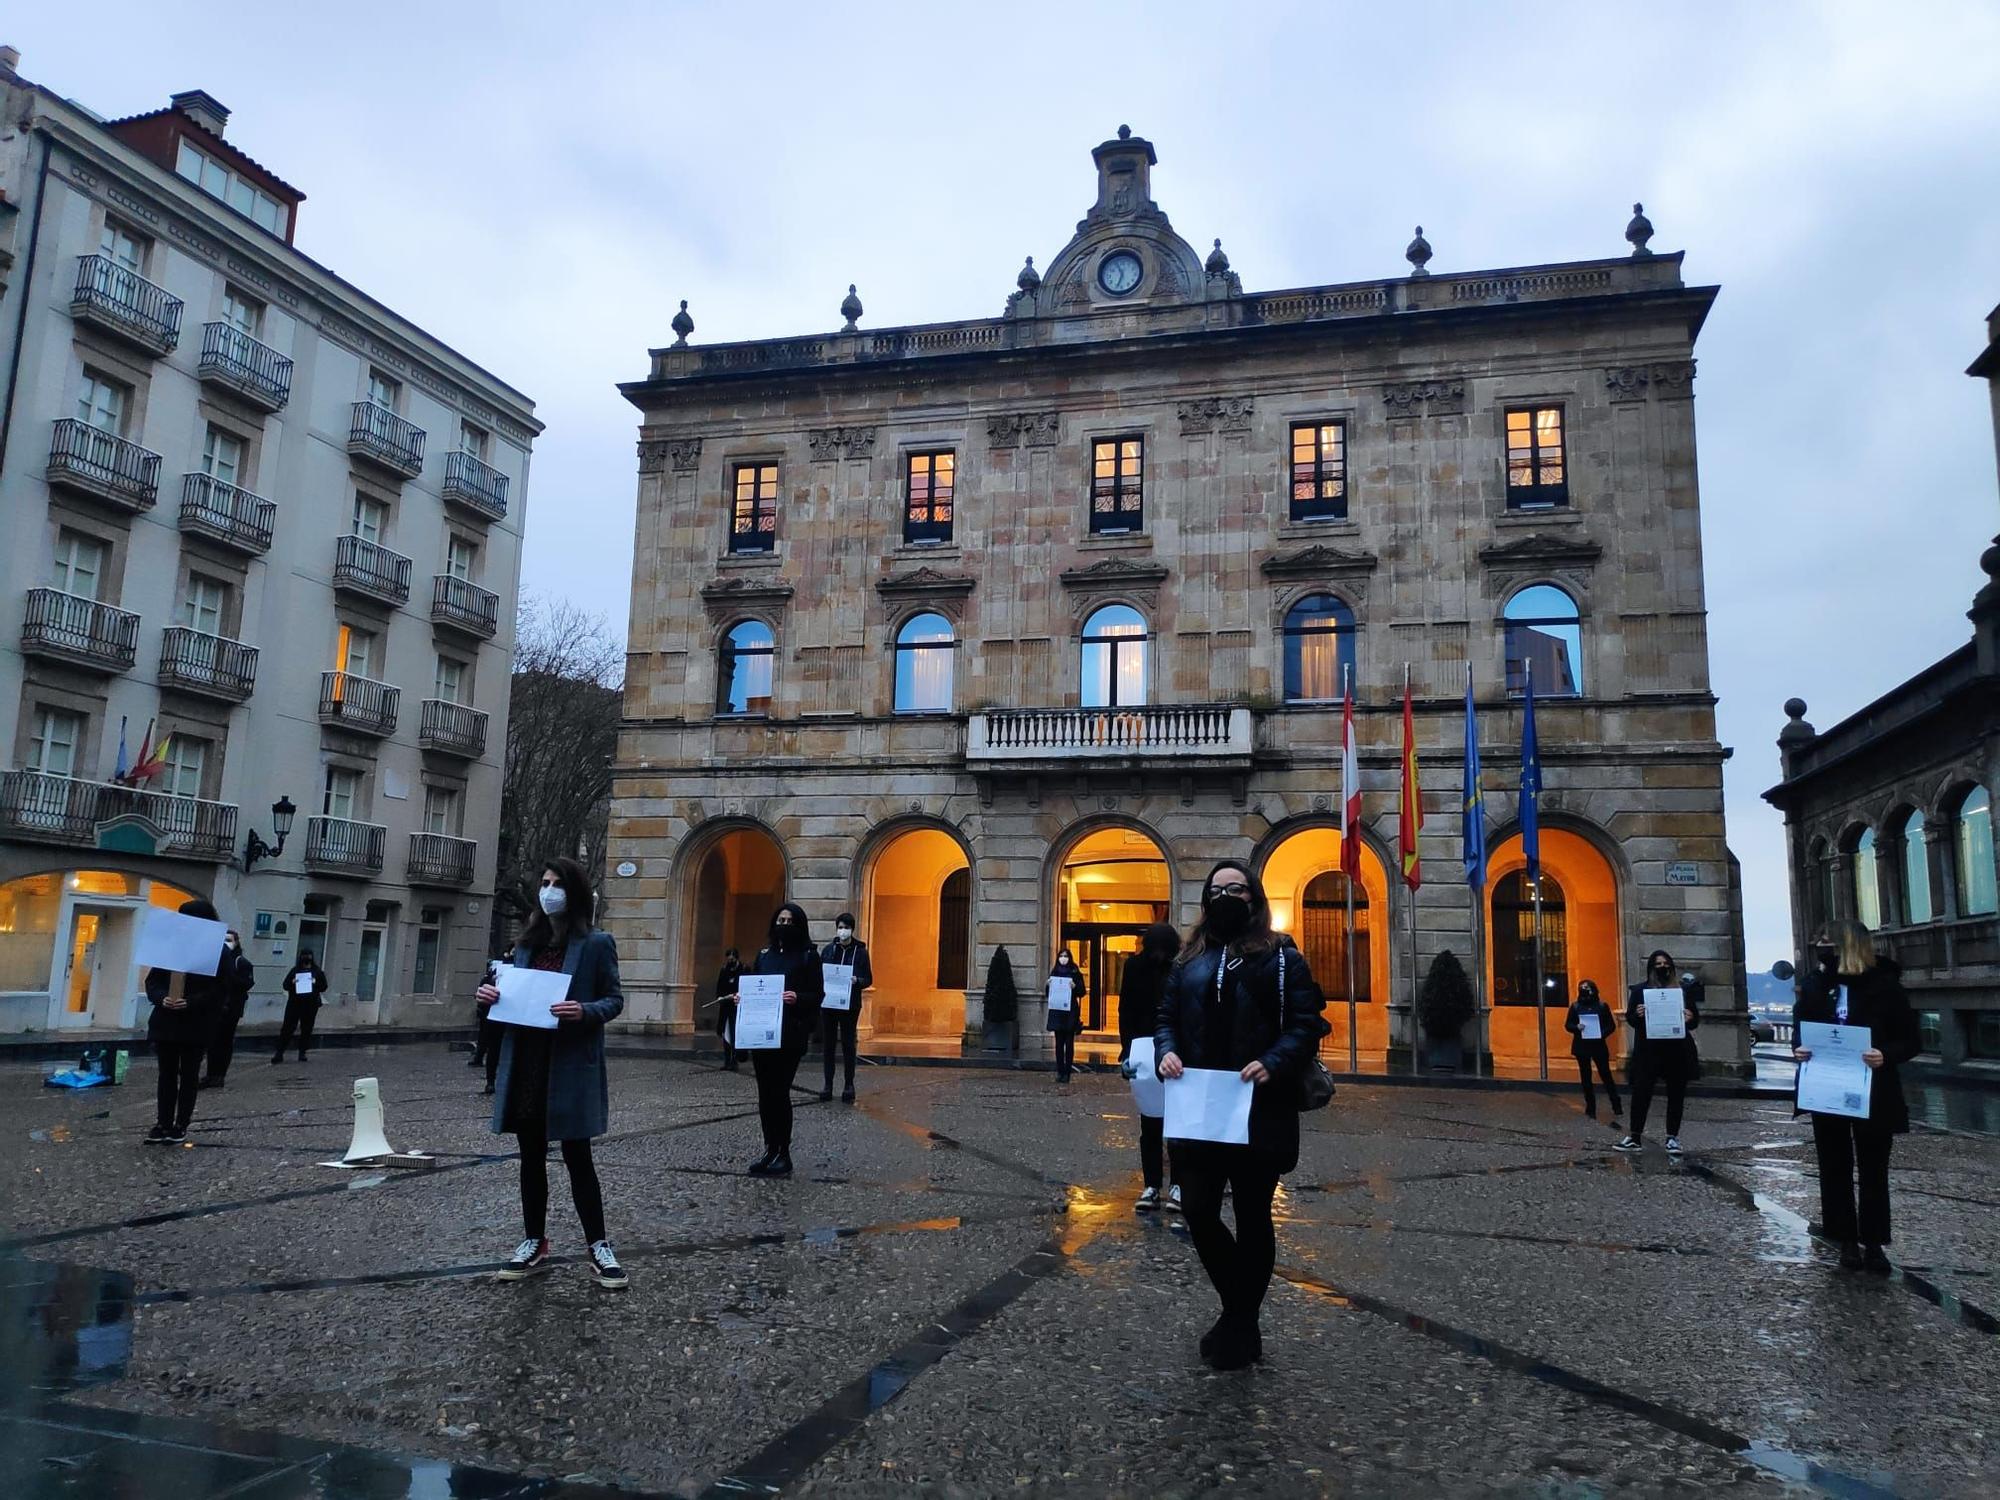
[227,514]
[212,665]
[452,729]
[372,571]
[380,436]
[68,628]
[479,487]
[99,464]
[235,361]
[459,605]
[439,859]
[358,703]
[64,810]
[338,846]
[1180,734]
[123,302]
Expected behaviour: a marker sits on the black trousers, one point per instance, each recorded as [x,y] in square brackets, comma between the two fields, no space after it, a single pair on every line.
[1849,1149]
[583,1186]
[1645,1077]
[1152,1150]
[1238,1265]
[180,1076]
[838,1026]
[1601,1056]
[725,1027]
[775,1068]
[1065,1053]
[222,1045]
[300,1013]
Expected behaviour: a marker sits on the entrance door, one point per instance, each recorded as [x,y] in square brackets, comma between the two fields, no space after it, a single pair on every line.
[96,936]
[1101,950]
[368,973]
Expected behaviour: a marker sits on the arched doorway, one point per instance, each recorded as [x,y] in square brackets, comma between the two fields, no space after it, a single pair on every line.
[917,925]
[66,944]
[739,882]
[1308,896]
[1112,885]
[1580,940]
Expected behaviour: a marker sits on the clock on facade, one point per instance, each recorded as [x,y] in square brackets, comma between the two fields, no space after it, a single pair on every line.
[1119,272]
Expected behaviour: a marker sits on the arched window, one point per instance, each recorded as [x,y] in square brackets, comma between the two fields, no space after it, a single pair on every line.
[1867,884]
[743,674]
[1545,635]
[1319,649]
[924,648]
[1916,870]
[954,929]
[1323,936]
[1976,894]
[1114,658]
[1514,941]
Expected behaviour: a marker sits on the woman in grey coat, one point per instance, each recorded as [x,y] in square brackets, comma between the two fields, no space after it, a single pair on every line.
[551,1084]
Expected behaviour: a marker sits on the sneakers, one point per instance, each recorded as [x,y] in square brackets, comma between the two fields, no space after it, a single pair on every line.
[604,1265]
[780,1166]
[531,1258]
[1630,1143]
[1673,1145]
[157,1136]
[826,1095]
[847,1096]
[175,1135]
[761,1167]
[1174,1199]
[1148,1201]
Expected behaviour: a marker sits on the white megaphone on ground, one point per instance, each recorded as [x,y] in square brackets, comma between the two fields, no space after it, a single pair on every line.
[369,1146]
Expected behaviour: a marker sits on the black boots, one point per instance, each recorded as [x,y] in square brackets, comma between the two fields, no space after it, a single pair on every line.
[1233,1344]
[772,1164]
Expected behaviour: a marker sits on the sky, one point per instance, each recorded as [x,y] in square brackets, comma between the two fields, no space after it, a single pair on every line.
[539,187]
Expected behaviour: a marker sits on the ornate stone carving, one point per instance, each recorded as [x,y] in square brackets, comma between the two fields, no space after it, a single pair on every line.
[652,455]
[1038,429]
[829,444]
[1673,380]
[1113,578]
[1627,382]
[1670,380]
[1229,413]
[727,598]
[1442,397]
[1539,550]
[684,454]
[926,581]
[1319,561]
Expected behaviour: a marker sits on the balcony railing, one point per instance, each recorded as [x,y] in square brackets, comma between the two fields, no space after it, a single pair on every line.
[212,665]
[97,463]
[477,486]
[255,371]
[452,729]
[439,859]
[82,632]
[358,703]
[63,810]
[1181,732]
[123,302]
[464,606]
[337,846]
[227,514]
[379,435]
[363,567]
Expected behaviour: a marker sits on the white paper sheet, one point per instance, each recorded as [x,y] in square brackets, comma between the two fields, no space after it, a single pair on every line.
[1208,1104]
[1589,1026]
[186,945]
[526,995]
[760,1012]
[302,984]
[1149,1092]
[1666,1015]
[1062,993]
[1834,1080]
[839,987]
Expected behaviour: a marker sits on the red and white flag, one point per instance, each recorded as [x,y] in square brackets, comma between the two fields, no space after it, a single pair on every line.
[1350,790]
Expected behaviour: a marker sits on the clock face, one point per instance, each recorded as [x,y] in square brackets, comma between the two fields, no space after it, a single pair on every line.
[1119,273]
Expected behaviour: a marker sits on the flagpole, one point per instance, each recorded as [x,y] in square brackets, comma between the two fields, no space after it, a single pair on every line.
[1541,992]
[1349,867]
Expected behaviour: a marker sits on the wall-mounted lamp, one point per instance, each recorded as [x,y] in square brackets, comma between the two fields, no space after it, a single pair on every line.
[254,848]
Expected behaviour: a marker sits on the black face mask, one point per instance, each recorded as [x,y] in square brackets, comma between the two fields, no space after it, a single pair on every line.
[1828,959]
[1228,917]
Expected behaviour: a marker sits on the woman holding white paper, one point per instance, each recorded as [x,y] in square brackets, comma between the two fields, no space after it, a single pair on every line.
[186,1007]
[790,953]
[1066,1021]
[1241,999]
[1139,991]
[305,987]
[1672,1061]
[1850,985]
[1590,1024]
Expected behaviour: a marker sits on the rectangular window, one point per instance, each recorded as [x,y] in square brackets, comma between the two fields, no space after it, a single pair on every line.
[430,943]
[203,604]
[461,555]
[384,390]
[1537,473]
[1319,471]
[1982,1033]
[343,793]
[371,518]
[472,439]
[1117,503]
[244,314]
[449,684]
[222,456]
[441,809]
[753,522]
[1930,1031]
[102,402]
[53,748]
[212,177]
[186,759]
[928,486]
[79,564]
[355,652]
[122,247]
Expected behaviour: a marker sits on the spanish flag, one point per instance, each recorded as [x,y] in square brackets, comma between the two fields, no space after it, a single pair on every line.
[152,762]
[1411,823]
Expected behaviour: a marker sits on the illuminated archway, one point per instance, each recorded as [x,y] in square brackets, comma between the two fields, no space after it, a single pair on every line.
[1111,884]
[739,881]
[917,924]
[1580,940]
[1308,897]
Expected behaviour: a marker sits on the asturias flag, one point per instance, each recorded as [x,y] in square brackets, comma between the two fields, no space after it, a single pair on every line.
[1350,791]
[1474,834]
[1531,784]
[1411,823]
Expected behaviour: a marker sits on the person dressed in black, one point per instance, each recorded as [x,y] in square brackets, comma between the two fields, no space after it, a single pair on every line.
[553,1085]
[1592,1052]
[486,1036]
[791,953]
[1849,985]
[725,1006]
[1065,1024]
[1139,990]
[186,1008]
[838,1025]
[1672,1061]
[301,1004]
[237,976]
[1241,998]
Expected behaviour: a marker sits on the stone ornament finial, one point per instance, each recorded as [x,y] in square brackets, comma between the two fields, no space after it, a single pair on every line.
[1797,730]
[1217,263]
[1639,231]
[850,309]
[1124,132]
[682,325]
[1029,278]
[1418,254]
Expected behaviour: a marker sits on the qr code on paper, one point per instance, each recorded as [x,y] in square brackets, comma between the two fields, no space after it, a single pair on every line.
[1852,1101]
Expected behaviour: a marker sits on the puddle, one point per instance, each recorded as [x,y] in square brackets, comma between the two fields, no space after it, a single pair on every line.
[70,1326]
[56,1134]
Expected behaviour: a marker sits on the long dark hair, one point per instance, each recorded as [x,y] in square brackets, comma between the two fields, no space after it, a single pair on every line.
[544,931]
[1160,942]
[795,937]
[1257,939]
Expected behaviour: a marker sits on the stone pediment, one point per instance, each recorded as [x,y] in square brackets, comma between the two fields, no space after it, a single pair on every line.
[1114,573]
[1539,550]
[927,581]
[1319,561]
[750,590]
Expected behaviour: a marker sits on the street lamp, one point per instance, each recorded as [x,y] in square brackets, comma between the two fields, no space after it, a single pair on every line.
[254,848]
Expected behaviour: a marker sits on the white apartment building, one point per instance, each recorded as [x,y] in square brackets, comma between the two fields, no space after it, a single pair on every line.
[248,507]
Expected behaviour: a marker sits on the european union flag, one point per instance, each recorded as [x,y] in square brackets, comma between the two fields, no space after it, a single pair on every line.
[1473,835]
[1531,784]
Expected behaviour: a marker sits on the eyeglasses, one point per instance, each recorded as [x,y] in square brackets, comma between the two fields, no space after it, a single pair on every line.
[1237,889]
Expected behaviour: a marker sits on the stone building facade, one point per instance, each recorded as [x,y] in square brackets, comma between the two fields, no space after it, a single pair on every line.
[1889,819]
[998,633]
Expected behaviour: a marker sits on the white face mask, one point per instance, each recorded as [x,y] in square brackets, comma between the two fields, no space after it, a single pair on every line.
[845,934]
[555,900]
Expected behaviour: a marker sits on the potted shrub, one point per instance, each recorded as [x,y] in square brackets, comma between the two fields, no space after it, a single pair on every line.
[1003,1003]
[1444,1006]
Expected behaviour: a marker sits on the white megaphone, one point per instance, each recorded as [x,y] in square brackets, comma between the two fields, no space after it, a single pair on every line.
[370,1143]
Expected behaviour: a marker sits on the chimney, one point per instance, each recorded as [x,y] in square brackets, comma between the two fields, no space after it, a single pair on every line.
[203,108]
[10,59]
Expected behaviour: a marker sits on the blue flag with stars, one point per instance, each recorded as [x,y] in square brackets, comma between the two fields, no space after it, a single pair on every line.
[1531,784]
[1473,835]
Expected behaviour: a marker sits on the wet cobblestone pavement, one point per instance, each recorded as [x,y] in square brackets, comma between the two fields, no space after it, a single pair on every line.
[952,1296]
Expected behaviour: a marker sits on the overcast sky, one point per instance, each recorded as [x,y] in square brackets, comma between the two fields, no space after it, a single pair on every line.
[539,185]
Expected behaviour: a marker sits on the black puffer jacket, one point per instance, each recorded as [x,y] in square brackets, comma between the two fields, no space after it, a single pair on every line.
[1875,999]
[1252,1026]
